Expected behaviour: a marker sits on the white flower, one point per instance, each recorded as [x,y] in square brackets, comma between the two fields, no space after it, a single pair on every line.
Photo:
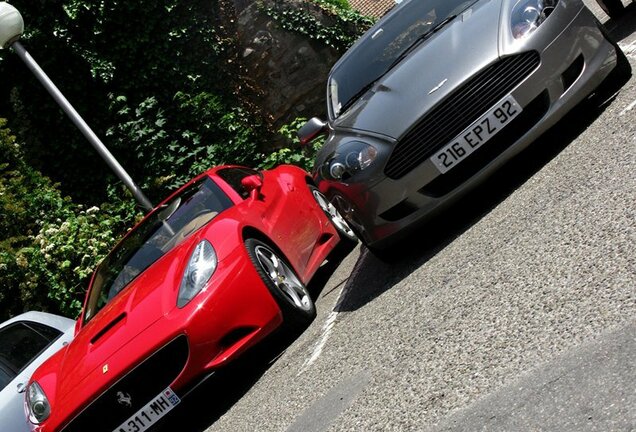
[51,231]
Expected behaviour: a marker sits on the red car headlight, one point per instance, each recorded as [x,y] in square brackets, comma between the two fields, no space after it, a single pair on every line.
[198,272]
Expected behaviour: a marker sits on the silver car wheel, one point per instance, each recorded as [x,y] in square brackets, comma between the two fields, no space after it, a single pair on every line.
[283,278]
[334,215]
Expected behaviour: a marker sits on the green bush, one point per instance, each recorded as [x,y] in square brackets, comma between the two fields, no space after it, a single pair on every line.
[49,246]
[342,5]
[25,195]
[165,61]
[170,147]
[294,153]
[63,255]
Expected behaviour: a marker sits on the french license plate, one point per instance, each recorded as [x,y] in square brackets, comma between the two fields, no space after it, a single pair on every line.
[475,135]
[149,414]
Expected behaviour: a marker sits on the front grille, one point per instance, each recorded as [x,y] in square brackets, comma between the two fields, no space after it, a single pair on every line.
[485,154]
[458,111]
[142,384]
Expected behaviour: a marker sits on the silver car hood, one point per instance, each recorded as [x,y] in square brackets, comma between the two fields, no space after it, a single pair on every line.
[428,74]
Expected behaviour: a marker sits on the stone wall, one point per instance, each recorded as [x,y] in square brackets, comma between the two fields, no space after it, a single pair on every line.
[288,70]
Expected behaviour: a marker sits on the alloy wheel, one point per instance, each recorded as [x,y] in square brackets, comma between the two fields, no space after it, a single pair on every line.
[284,278]
[334,215]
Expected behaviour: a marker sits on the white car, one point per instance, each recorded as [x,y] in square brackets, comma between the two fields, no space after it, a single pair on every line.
[26,341]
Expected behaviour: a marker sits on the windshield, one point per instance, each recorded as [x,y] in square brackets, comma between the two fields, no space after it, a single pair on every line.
[164,229]
[377,53]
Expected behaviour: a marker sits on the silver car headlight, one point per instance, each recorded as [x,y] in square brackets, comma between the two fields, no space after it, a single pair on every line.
[37,403]
[198,272]
[527,16]
[352,157]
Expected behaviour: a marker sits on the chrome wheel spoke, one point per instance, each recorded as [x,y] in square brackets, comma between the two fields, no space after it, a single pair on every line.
[322,200]
[339,220]
[269,262]
[294,287]
[283,278]
[334,215]
[291,292]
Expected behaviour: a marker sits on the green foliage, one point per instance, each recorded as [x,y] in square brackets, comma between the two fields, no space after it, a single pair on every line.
[295,153]
[64,253]
[216,133]
[148,52]
[346,27]
[25,195]
[202,132]
[342,5]
[49,246]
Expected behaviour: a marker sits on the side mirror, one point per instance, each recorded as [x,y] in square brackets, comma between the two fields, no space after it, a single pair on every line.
[253,185]
[311,130]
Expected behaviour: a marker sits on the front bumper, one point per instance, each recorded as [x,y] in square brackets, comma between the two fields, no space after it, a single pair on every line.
[574,62]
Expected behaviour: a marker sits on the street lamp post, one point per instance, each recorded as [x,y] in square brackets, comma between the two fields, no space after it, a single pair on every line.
[11,28]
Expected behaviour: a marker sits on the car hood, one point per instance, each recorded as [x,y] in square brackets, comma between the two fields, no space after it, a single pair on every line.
[428,74]
[151,296]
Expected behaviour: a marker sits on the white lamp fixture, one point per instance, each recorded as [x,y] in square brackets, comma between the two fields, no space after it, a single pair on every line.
[11,25]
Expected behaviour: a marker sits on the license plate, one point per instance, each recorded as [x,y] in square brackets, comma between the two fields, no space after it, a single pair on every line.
[475,135]
[151,413]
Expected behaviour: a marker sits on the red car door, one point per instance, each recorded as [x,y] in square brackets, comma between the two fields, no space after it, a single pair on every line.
[284,210]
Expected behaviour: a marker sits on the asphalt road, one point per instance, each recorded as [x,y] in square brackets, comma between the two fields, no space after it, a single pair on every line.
[517,311]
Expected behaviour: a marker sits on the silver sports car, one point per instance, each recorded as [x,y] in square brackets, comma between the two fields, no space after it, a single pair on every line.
[440,93]
[25,342]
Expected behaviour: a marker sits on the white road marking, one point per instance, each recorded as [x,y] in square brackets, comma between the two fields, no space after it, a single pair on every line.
[326,332]
[328,326]
[628,108]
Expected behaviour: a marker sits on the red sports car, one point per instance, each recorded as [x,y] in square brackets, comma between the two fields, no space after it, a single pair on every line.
[207,274]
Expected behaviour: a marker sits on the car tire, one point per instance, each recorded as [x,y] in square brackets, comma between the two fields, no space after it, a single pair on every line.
[623,69]
[613,8]
[346,233]
[288,290]
[617,77]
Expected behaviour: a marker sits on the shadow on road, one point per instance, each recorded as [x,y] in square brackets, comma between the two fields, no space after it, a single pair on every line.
[373,276]
[624,26]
